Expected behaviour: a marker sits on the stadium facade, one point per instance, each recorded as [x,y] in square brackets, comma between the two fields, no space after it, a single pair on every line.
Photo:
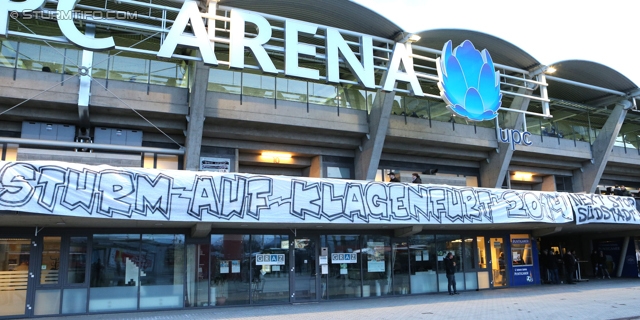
[190,154]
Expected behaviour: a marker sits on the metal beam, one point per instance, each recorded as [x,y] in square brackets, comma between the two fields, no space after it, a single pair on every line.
[368,154]
[494,169]
[95,146]
[195,125]
[586,178]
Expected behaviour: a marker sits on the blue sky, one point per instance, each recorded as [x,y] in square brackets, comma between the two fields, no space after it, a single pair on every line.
[550,30]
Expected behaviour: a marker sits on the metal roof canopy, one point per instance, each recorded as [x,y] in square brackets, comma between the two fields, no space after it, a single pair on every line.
[502,52]
[341,14]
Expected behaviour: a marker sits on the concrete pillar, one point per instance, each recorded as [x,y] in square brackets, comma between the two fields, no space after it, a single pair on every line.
[548,184]
[586,179]
[493,171]
[368,155]
[315,170]
[197,96]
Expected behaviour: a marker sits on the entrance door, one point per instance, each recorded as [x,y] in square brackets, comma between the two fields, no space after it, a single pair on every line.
[305,276]
[498,262]
[16,277]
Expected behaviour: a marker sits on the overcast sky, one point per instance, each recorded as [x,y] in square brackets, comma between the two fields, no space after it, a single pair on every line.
[606,32]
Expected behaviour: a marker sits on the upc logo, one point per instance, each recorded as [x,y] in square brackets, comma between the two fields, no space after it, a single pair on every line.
[469,83]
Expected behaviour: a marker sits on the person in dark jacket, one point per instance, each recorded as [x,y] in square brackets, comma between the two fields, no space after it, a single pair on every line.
[602,264]
[415,178]
[552,265]
[594,262]
[392,177]
[450,268]
[570,266]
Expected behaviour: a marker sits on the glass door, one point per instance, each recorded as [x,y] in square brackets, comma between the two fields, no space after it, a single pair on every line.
[16,276]
[498,262]
[483,263]
[305,275]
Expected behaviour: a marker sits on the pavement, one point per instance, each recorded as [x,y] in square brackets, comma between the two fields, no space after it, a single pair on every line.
[597,299]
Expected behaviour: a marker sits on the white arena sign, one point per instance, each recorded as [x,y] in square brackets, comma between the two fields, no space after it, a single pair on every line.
[399,68]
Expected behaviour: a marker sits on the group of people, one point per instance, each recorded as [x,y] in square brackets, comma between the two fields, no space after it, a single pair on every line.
[415,177]
[618,191]
[554,265]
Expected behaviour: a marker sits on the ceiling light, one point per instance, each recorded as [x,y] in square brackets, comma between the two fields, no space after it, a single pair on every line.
[522,175]
[550,70]
[414,38]
[276,155]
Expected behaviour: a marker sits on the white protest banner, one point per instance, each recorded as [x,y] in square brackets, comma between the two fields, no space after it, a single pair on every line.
[596,208]
[174,195]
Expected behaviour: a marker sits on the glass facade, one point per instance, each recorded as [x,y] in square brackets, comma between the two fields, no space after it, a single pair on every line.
[116,272]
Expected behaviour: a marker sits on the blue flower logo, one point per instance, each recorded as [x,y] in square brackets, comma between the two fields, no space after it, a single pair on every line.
[469,83]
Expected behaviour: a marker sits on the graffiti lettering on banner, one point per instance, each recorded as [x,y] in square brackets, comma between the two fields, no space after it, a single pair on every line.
[596,208]
[78,190]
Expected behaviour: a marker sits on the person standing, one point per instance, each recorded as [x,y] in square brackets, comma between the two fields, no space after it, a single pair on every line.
[392,177]
[594,262]
[570,266]
[552,264]
[450,268]
[602,264]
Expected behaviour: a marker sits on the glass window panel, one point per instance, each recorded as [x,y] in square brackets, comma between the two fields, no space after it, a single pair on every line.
[440,112]
[258,85]
[40,57]
[377,268]
[291,90]
[166,161]
[521,253]
[398,106]
[14,269]
[129,68]
[470,280]
[417,108]
[230,269]
[324,94]
[482,253]
[224,81]
[344,279]
[468,255]
[115,269]
[169,73]
[47,302]
[423,264]
[8,53]
[353,98]
[101,62]
[74,301]
[77,260]
[338,173]
[400,261]
[161,267]
[498,269]
[50,260]
[198,275]
[73,58]
[271,280]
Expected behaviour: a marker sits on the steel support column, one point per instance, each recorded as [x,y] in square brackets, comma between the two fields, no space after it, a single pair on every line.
[586,179]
